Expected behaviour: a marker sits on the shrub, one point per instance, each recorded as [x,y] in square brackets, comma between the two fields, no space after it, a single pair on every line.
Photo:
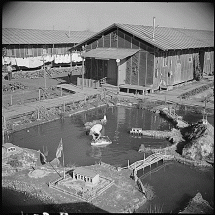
[149,191]
[15,163]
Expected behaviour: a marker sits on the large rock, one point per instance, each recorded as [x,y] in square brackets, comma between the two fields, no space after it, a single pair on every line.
[198,205]
[200,138]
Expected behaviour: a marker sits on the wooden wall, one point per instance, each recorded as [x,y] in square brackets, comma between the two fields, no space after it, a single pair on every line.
[23,51]
[151,66]
[139,67]
[173,67]
[208,62]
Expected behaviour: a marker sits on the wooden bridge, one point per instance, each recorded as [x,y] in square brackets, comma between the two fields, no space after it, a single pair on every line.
[141,164]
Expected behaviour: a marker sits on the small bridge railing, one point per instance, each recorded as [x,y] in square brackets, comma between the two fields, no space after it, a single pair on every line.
[153,158]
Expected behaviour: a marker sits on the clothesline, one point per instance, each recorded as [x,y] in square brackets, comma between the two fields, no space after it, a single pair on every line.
[34,62]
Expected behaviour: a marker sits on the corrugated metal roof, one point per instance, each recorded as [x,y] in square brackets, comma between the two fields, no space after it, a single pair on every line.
[85,172]
[110,53]
[165,38]
[35,36]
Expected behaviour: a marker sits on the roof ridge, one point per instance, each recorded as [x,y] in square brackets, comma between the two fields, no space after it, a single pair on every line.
[46,30]
[162,27]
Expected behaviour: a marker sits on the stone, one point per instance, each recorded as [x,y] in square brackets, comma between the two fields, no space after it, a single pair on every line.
[202,147]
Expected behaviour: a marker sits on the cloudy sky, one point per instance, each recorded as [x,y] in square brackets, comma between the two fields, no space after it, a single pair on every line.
[95,16]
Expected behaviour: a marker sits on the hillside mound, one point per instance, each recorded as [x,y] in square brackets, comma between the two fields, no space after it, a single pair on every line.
[200,141]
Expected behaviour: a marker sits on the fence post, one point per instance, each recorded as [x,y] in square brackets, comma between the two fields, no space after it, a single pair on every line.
[64,106]
[11,103]
[22,97]
[38,113]
[39,94]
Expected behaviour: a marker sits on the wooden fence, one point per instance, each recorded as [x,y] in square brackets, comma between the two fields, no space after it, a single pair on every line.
[88,82]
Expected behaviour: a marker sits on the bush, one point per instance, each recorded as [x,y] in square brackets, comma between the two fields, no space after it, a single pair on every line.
[149,191]
[15,163]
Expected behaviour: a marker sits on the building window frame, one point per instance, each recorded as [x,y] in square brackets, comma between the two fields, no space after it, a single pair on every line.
[165,60]
[178,57]
[190,59]
[208,56]
[10,51]
[29,50]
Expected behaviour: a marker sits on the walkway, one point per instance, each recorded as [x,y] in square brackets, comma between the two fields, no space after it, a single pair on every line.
[172,95]
[16,110]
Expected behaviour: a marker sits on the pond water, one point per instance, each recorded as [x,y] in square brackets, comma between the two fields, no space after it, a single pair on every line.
[172,187]
[77,148]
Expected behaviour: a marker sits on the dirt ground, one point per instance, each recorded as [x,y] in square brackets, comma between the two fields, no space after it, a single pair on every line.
[120,197]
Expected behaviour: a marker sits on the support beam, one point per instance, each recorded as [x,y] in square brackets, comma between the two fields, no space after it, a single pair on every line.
[82,73]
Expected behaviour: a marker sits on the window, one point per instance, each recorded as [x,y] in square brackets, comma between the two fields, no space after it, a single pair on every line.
[178,57]
[29,50]
[10,52]
[190,59]
[170,62]
[59,50]
[165,60]
[115,38]
[156,73]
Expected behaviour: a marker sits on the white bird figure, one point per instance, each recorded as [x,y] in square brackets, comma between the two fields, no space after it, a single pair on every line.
[104,120]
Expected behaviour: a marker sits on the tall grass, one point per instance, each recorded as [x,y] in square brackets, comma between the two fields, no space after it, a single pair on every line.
[155,209]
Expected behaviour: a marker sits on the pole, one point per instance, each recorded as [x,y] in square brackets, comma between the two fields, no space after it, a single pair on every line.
[61,92]
[82,73]
[3,136]
[38,113]
[64,106]
[54,169]
[11,100]
[63,162]
[39,94]
[44,71]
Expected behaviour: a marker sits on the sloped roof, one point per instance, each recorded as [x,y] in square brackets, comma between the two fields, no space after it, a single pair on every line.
[164,38]
[110,53]
[85,172]
[35,36]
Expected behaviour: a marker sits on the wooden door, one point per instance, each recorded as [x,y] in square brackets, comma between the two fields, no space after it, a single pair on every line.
[112,72]
[122,73]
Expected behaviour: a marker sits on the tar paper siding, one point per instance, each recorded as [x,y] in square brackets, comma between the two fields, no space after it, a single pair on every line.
[173,67]
[24,51]
[137,69]
[151,66]
[208,62]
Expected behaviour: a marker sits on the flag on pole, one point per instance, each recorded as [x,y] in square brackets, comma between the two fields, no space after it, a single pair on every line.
[59,149]
[42,158]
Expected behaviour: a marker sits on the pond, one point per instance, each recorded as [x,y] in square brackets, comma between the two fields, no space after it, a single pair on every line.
[77,148]
[173,187]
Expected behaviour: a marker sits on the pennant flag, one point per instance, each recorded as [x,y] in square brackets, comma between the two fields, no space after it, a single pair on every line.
[42,158]
[59,149]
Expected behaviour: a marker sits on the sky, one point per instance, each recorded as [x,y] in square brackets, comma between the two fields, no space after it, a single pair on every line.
[95,16]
